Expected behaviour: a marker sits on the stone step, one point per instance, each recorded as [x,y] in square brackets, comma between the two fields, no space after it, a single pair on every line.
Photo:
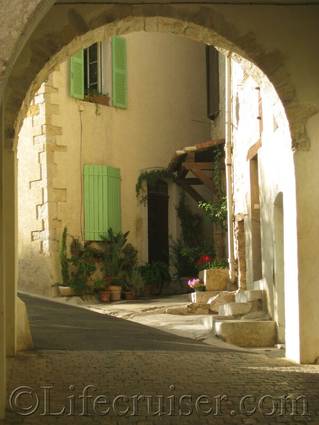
[202,297]
[249,295]
[239,309]
[247,333]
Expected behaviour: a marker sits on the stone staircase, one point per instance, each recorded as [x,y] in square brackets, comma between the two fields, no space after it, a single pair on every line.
[245,303]
[245,321]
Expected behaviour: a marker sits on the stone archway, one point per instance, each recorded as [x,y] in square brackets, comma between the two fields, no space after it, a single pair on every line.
[50,35]
[66,27]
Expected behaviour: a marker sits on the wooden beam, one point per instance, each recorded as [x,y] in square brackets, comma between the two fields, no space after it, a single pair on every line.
[209,144]
[193,181]
[182,172]
[253,150]
[197,171]
[191,191]
[199,165]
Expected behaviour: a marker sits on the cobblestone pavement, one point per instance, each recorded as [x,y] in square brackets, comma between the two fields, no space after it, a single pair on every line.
[168,374]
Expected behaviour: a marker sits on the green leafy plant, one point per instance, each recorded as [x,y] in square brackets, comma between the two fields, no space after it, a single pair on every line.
[216,211]
[218,158]
[184,258]
[82,267]
[186,251]
[119,256]
[137,281]
[191,223]
[155,274]
[64,264]
[100,285]
[151,177]
[217,264]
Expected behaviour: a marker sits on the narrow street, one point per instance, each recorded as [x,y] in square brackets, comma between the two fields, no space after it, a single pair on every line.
[120,360]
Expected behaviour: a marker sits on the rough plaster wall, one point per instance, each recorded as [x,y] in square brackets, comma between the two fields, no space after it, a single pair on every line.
[276,170]
[166,111]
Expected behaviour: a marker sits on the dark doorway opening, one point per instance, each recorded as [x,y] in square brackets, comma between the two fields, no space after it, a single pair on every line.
[158,248]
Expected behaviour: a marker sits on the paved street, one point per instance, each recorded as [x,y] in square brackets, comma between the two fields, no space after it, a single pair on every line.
[136,372]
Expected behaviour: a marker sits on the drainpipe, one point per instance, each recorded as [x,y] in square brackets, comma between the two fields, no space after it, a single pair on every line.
[229,169]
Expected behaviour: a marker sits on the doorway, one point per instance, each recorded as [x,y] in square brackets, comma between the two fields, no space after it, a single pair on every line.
[158,247]
[255,219]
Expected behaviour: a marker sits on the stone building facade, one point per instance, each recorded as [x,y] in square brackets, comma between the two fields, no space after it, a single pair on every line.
[166,110]
[37,35]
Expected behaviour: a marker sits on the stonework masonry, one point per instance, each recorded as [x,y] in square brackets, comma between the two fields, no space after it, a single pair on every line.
[38,242]
[281,41]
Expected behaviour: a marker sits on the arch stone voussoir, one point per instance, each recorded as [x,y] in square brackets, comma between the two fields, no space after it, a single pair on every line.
[67,28]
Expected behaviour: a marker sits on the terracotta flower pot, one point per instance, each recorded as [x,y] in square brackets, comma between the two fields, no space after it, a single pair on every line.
[66,291]
[115,292]
[130,295]
[105,296]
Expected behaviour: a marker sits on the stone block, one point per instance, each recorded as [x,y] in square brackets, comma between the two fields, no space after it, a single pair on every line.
[220,299]
[195,308]
[215,279]
[24,338]
[202,297]
[33,110]
[234,309]
[247,333]
[256,315]
[249,295]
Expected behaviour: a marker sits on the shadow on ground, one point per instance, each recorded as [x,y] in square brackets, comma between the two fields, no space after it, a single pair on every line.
[57,326]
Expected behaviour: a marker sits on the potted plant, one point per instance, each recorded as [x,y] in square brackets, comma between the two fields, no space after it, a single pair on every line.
[101,287]
[197,285]
[155,275]
[119,259]
[81,267]
[129,292]
[64,288]
[137,282]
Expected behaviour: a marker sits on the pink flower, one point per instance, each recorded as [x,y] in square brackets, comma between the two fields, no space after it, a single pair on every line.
[195,283]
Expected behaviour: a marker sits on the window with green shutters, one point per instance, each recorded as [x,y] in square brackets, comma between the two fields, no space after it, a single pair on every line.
[119,72]
[77,75]
[102,200]
[91,74]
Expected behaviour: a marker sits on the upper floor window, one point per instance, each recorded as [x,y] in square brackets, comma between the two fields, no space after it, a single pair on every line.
[100,71]
[93,69]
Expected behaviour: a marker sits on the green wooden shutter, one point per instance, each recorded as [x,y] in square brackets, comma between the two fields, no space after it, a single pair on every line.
[102,200]
[119,72]
[77,75]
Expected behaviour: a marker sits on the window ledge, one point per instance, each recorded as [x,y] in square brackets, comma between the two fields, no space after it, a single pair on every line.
[102,99]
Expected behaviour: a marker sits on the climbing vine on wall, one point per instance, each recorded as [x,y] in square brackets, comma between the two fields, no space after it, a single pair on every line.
[216,210]
[151,177]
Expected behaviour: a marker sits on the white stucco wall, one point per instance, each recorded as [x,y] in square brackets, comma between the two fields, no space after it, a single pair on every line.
[276,175]
[166,111]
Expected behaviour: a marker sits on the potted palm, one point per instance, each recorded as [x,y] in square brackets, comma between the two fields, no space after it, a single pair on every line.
[119,259]
[101,287]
